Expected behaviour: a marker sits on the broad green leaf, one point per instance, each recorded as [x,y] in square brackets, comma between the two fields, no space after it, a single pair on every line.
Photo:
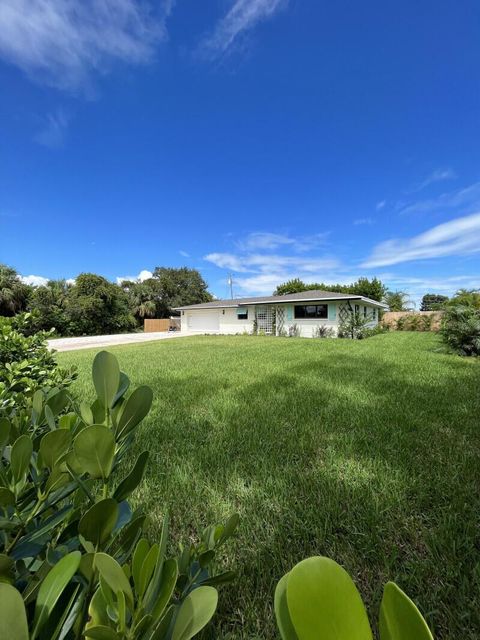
[139,555]
[167,587]
[284,623]
[7,498]
[195,613]
[57,401]
[86,413]
[154,586]
[134,478]
[13,618]
[53,445]
[113,575]
[95,450]
[7,569]
[399,617]
[37,403]
[148,567]
[106,377]
[20,457]
[52,588]
[97,524]
[161,630]
[122,387]
[134,410]
[323,602]
[102,633]
[97,611]
[50,418]
[4,433]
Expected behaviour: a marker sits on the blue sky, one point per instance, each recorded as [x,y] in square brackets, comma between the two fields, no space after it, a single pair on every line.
[264,138]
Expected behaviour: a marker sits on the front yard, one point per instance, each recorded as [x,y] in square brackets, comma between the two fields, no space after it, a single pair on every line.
[365,451]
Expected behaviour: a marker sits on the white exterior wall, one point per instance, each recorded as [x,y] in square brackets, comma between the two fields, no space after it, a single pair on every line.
[229,324]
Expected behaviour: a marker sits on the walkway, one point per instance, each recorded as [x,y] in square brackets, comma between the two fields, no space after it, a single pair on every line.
[90,342]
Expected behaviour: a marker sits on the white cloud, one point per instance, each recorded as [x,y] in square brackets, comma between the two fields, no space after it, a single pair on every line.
[439,175]
[265,241]
[36,281]
[380,205]
[460,236]
[184,254]
[60,42]
[360,221]
[459,200]
[54,130]
[143,275]
[242,17]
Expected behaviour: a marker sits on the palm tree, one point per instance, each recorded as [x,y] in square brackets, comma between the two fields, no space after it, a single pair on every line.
[14,293]
[398,301]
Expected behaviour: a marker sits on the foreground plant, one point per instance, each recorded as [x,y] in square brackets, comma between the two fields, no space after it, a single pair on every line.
[74,559]
[318,599]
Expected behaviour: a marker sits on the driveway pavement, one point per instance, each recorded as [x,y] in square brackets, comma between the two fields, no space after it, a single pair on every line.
[89,342]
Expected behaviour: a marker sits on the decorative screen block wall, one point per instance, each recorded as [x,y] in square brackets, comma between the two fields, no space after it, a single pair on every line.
[265,317]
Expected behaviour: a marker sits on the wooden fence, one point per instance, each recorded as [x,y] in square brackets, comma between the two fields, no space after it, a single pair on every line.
[153,325]
[390,318]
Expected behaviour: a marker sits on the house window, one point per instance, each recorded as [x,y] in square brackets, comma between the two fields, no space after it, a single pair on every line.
[365,312]
[357,309]
[374,314]
[242,314]
[311,311]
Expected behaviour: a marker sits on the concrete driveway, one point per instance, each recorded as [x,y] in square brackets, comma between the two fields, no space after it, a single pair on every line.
[90,342]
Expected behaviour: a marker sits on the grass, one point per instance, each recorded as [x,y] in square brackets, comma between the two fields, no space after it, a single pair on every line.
[367,452]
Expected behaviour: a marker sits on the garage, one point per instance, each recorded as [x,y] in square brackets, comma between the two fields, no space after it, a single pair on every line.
[204,321]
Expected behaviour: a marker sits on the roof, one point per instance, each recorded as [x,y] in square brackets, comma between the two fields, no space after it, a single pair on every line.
[303,296]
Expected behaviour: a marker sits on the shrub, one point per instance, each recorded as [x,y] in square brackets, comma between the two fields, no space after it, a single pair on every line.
[369,332]
[294,331]
[353,326]
[322,331]
[461,329]
[318,599]
[26,365]
[74,559]
[426,323]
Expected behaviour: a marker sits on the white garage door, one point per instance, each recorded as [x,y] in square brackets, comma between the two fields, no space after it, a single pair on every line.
[204,321]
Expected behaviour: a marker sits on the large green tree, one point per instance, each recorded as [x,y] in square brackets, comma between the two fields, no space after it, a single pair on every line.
[433,301]
[397,301]
[373,289]
[48,306]
[95,306]
[179,287]
[14,293]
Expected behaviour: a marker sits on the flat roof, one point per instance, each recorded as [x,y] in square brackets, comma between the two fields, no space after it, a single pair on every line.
[303,296]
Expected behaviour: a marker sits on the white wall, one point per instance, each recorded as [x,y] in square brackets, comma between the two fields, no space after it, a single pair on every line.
[230,324]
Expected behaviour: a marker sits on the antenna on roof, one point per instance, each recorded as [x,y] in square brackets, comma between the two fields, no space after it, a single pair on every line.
[230,284]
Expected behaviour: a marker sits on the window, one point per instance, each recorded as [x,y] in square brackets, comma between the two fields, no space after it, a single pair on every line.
[374,314]
[357,309]
[365,312]
[242,314]
[311,311]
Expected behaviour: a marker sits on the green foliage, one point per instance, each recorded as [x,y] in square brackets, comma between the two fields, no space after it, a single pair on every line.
[74,559]
[318,599]
[433,302]
[397,300]
[466,298]
[48,307]
[353,326]
[373,289]
[461,329]
[26,366]
[96,306]
[183,286]
[322,331]
[14,294]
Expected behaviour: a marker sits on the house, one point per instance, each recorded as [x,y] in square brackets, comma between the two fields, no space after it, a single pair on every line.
[279,314]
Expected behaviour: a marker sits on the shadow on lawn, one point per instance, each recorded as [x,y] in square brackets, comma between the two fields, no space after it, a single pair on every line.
[361,461]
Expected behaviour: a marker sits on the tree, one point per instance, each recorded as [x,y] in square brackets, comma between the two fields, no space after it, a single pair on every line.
[95,306]
[433,302]
[14,293]
[179,287]
[466,298]
[373,289]
[397,300]
[145,299]
[47,304]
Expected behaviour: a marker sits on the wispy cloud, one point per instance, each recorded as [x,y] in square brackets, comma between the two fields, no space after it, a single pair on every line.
[439,175]
[265,241]
[59,42]
[458,201]
[143,275]
[380,205]
[242,17]
[53,133]
[185,254]
[460,236]
[361,221]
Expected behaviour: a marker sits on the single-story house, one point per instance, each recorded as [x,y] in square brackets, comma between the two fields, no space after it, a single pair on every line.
[300,312]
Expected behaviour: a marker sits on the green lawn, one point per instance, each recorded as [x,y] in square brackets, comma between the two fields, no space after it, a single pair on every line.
[365,451]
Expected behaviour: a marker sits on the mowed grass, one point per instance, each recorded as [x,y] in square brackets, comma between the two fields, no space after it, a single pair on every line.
[367,452]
